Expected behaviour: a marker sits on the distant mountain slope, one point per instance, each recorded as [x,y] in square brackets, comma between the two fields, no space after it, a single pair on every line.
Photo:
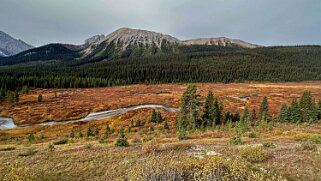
[47,52]
[11,46]
[126,43]
[222,41]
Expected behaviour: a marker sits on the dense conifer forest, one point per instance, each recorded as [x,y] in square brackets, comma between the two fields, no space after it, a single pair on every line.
[192,64]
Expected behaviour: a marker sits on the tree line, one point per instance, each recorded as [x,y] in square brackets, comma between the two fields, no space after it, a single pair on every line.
[193,115]
[276,64]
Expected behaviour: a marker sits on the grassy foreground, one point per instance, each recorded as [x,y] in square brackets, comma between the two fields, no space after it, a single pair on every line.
[282,152]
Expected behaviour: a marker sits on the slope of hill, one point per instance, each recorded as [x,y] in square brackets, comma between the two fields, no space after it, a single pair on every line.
[222,41]
[128,43]
[11,46]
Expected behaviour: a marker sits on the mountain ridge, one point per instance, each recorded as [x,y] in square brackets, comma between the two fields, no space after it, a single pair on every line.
[10,46]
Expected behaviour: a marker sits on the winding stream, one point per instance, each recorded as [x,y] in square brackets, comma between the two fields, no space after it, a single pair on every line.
[8,123]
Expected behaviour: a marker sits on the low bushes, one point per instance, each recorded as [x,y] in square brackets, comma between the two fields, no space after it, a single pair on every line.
[209,168]
[253,154]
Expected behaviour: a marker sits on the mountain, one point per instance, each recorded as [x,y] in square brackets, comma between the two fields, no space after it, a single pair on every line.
[222,41]
[11,46]
[126,43]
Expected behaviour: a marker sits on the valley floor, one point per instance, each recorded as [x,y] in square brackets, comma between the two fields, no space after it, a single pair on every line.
[60,152]
[288,152]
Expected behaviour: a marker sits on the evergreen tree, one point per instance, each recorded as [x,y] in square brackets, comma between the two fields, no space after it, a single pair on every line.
[159,117]
[96,132]
[154,117]
[294,112]
[90,131]
[264,109]
[208,117]
[10,98]
[25,89]
[188,109]
[253,116]
[307,107]
[72,133]
[246,113]
[122,140]
[31,137]
[107,131]
[319,109]
[139,123]
[283,114]
[80,134]
[131,123]
[217,113]
[166,126]
[39,98]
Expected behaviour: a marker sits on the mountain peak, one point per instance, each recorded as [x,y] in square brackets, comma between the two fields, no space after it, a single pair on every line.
[11,46]
[220,41]
[128,36]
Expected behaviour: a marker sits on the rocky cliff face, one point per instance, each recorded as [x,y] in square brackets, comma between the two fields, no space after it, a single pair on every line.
[11,46]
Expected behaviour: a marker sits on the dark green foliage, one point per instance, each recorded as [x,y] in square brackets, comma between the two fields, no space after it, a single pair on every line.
[156,117]
[182,134]
[122,140]
[10,98]
[31,137]
[307,107]
[264,109]
[72,133]
[272,64]
[236,139]
[39,98]
[25,89]
[283,114]
[154,114]
[246,114]
[139,123]
[211,112]
[166,126]
[107,131]
[96,132]
[253,116]
[319,110]
[80,134]
[90,131]
[294,112]
[252,135]
[208,117]
[188,109]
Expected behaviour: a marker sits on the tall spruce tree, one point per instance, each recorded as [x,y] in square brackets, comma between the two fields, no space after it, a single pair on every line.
[253,116]
[189,108]
[264,109]
[122,140]
[307,107]
[319,109]
[208,117]
[217,113]
[283,114]
[294,112]
[154,117]
[246,113]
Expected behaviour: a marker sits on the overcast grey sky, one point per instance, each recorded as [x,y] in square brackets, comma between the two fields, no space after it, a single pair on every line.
[267,22]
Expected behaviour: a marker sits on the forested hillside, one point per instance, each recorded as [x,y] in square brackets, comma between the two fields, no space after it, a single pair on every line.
[192,64]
